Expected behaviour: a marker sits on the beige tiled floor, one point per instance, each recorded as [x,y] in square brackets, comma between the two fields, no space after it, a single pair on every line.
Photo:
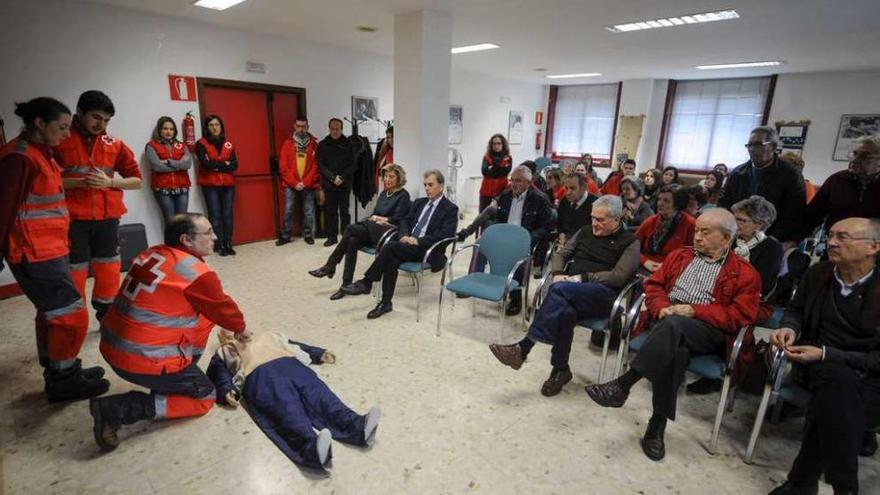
[454,420]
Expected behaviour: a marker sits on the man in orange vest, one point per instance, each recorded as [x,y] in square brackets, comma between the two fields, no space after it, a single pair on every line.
[158,326]
[299,172]
[90,158]
[33,240]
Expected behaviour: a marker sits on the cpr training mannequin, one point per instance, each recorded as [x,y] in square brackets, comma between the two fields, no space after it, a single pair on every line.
[285,398]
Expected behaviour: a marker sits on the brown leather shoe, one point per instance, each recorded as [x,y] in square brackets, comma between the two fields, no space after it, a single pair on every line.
[553,385]
[608,394]
[510,355]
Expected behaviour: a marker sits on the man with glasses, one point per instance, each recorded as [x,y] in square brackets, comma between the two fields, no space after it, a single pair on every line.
[831,332]
[605,257]
[777,181]
[854,192]
[157,328]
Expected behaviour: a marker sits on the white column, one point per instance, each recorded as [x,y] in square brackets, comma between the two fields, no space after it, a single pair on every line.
[422,73]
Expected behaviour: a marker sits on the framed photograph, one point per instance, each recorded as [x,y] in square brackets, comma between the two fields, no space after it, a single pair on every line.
[792,135]
[515,127]
[455,121]
[852,127]
[365,111]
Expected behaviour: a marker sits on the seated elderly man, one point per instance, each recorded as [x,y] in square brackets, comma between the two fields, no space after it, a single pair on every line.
[605,258]
[520,204]
[697,302]
[834,320]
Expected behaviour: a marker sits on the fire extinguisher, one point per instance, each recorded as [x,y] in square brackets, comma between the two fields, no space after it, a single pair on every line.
[189,131]
[539,138]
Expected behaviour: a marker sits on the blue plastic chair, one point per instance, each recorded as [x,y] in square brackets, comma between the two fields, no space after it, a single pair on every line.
[709,366]
[506,247]
[416,269]
[542,163]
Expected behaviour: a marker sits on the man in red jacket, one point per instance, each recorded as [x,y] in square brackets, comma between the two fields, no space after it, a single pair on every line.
[698,300]
[301,177]
[96,168]
[157,328]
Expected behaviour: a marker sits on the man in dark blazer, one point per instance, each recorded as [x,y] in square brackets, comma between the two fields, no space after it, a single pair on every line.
[430,219]
[519,204]
[777,181]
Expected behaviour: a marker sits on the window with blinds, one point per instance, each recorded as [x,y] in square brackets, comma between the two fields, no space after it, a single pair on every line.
[584,120]
[710,120]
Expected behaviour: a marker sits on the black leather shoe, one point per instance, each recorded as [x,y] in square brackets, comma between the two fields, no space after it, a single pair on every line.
[789,488]
[329,242]
[869,444]
[553,385]
[704,386]
[609,394]
[324,271]
[337,295]
[282,241]
[379,310]
[654,448]
[309,240]
[513,309]
[357,288]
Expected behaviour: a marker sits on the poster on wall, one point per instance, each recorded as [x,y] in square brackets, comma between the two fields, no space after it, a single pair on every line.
[365,111]
[515,127]
[455,121]
[792,136]
[852,127]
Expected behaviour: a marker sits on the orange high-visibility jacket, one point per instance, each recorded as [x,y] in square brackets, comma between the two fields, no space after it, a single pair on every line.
[213,178]
[169,180]
[39,231]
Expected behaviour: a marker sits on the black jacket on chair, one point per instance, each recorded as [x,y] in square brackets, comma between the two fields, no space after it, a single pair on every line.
[443,223]
[781,184]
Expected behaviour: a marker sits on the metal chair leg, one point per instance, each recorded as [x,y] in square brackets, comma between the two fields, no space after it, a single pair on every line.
[719,415]
[418,280]
[501,318]
[440,310]
[605,345]
[759,422]
[473,307]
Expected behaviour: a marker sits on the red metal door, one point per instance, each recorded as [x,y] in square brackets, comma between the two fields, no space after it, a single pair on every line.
[257,121]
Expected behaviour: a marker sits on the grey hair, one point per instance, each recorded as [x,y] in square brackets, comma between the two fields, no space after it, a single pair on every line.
[523,169]
[768,131]
[874,228]
[869,140]
[437,175]
[726,221]
[612,203]
[758,209]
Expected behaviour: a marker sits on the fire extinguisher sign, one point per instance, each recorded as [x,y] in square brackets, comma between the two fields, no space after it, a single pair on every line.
[183,88]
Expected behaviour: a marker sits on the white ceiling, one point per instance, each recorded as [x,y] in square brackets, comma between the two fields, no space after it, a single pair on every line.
[568,36]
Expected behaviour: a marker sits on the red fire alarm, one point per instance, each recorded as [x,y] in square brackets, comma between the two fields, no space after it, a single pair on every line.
[183,88]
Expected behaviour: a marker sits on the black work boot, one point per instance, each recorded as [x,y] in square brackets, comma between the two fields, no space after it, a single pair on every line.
[72,384]
[92,373]
[110,413]
[100,310]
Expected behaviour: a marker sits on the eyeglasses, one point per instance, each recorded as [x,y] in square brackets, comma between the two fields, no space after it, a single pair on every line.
[750,146]
[861,156]
[208,232]
[845,238]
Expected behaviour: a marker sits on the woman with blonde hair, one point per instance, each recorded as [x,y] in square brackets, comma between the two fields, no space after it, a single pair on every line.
[391,207]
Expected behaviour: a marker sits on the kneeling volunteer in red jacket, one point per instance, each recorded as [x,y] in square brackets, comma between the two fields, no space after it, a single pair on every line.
[158,327]
[698,301]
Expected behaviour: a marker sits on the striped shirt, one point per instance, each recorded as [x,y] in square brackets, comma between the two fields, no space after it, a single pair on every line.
[697,282]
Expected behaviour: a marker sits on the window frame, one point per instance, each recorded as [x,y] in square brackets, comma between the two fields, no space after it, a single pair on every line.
[551,116]
[667,116]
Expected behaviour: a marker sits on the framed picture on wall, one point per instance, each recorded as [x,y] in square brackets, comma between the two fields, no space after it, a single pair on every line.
[455,120]
[365,111]
[852,127]
[515,127]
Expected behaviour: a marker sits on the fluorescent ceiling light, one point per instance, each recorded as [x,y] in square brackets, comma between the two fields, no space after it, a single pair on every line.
[216,4]
[571,76]
[475,48]
[769,63]
[721,15]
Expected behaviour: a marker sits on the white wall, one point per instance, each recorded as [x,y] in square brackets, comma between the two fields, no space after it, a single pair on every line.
[645,97]
[822,97]
[484,114]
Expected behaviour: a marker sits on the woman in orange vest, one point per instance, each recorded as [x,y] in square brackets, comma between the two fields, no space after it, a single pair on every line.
[33,239]
[497,164]
[158,328]
[217,161]
[169,161]
[91,159]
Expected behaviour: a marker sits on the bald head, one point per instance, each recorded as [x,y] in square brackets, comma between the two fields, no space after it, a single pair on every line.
[714,230]
[854,242]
